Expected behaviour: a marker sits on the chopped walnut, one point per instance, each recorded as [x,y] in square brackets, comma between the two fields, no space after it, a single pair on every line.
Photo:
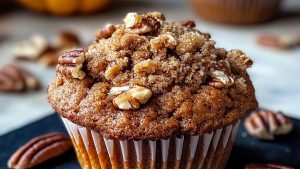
[220,79]
[130,97]
[239,58]
[115,68]
[141,24]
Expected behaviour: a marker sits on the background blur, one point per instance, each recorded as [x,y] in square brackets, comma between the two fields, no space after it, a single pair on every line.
[275,73]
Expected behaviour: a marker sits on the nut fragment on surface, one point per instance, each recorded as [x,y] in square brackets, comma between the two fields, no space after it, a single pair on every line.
[130,97]
[70,64]
[265,124]
[267,166]
[277,41]
[38,150]
[14,78]
[32,48]
[220,80]
[106,32]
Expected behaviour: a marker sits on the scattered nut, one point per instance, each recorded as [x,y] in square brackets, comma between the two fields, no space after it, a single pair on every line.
[220,80]
[38,150]
[187,23]
[6,83]
[67,39]
[130,97]
[32,49]
[277,41]
[106,32]
[49,58]
[70,64]
[265,124]
[266,166]
[15,78]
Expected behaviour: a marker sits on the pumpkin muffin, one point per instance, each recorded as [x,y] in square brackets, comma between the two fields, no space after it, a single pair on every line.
[152,94]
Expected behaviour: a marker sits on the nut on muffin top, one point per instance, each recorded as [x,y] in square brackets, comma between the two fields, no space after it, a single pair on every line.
[150,79]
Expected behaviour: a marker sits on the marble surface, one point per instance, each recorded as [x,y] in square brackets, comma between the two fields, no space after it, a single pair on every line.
[275,74]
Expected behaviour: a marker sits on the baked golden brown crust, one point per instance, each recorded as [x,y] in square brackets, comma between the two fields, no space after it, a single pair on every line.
[191,87]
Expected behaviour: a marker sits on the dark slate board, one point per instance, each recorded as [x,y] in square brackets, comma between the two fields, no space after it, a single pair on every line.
[284,150]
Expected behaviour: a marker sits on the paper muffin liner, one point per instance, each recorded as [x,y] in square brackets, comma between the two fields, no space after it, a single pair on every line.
[237,11]
[210,150]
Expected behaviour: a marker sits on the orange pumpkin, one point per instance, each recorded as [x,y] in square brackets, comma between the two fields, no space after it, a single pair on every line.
[65,7]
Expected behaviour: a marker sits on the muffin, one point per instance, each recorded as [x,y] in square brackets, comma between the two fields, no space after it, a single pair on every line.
[237,11]
[152,94]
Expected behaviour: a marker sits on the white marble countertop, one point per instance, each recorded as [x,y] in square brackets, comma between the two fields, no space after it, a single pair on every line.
[275,74]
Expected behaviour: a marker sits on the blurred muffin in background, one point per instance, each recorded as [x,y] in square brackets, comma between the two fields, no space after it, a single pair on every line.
[237,11]
[66,7]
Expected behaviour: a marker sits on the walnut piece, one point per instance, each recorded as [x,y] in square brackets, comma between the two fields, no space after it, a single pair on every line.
[38,150]
[130,97]
[265,124]
[70,64]
[14,78]
[220,80]
[106,32]
[32,48]
[239,58]
[141,24]
[266,166]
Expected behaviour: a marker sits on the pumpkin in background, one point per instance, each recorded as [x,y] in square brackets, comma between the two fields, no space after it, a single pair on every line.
[64,7]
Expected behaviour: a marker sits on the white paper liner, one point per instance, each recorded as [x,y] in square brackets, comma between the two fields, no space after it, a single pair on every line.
[209,142]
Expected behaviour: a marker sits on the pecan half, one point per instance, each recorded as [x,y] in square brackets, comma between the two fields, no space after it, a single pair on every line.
[14,74]
[6,83]
[38,150]
[277,41]
[32,48]
[130,97]
[187,23]
[70,64]
[220,80]
[265,124]
[49,58]
[266,166]
[106,32]
[66,39]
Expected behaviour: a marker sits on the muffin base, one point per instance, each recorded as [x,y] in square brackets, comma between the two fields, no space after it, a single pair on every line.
[206,151]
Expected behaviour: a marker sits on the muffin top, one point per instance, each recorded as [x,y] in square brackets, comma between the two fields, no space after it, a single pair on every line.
[151,79]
